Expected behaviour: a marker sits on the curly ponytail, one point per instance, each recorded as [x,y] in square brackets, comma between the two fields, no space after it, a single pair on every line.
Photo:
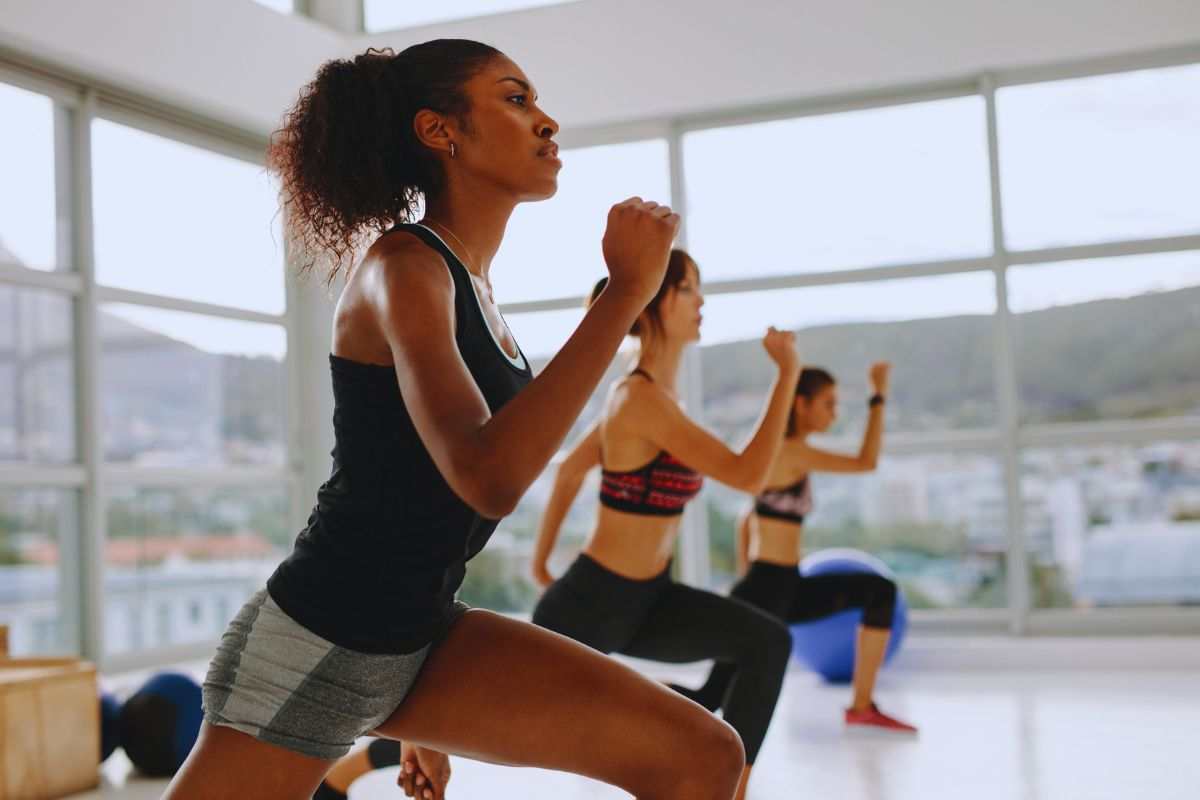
[348,160]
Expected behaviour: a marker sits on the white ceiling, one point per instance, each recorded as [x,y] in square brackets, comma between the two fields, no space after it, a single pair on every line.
[597,62]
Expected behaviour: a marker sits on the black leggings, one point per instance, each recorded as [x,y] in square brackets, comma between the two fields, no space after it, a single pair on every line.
[661,620]
[789,597]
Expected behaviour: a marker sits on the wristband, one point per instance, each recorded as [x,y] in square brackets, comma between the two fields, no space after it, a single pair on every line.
[876,400]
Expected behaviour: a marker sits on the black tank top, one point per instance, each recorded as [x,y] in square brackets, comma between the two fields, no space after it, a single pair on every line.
[386,546]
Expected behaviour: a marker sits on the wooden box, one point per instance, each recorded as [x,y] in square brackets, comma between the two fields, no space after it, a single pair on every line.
[49,728]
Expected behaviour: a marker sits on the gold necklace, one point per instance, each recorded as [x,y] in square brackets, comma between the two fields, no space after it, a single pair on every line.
[467,250]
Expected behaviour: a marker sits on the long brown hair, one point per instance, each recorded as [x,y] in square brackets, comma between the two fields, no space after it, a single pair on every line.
[347,157]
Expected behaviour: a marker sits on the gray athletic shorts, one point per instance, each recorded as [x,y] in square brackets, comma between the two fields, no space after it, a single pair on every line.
[279,682]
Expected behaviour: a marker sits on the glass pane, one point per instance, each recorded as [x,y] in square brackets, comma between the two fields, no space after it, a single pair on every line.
[880,186]
[186,389]
[1100,159]
[541,334]
[28,219]
[387,15]
[35,596]
[282,6]
[176,220]
[1114,338]
[938,521]
[1113,525]
[37,376]
[180,563]
[552,248]
[937,332]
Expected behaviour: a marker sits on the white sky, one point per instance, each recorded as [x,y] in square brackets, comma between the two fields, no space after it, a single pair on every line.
[892,185]
[27,216]
[282,6]
[386,15]
[178,220]
[1101,159]
[552,248]
[1088,160]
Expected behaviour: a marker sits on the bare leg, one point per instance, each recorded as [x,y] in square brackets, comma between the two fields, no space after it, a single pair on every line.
[742,784]
[508,692]
[226,765]
[868,658]
[348,769]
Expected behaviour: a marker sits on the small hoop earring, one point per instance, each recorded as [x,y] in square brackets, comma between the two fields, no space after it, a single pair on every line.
[453,150]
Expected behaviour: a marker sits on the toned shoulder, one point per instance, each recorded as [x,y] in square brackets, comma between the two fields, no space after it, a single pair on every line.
[402,260]
[635,396]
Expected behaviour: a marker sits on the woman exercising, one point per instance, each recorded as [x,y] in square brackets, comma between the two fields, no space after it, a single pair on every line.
[618,596]
[769,540]
[439,429]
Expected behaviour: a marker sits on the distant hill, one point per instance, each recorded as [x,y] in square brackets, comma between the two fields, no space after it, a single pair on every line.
[1134,357]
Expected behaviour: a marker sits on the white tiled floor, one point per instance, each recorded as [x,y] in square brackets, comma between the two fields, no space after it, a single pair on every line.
[1010,735]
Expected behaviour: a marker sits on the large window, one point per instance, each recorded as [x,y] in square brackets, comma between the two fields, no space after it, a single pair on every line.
[178,220]
[1100,159]
[192,382]
[1104,353]
[39,520]
[829,192]
[146,357]
[28,212]
[144,345]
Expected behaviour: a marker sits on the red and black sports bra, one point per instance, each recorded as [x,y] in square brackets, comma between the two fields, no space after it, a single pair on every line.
[661,488]
[790,503]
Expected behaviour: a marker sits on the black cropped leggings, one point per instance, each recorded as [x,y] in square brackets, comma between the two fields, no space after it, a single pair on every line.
[789,597]
[661,620]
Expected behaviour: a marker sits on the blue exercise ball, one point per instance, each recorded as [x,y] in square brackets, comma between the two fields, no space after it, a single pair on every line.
[826,646]
[110,728]
[160,723]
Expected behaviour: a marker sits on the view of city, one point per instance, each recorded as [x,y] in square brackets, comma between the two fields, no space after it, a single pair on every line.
[1105,525]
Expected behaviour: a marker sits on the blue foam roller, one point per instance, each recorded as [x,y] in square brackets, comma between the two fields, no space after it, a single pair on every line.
[160,723]
[110,728]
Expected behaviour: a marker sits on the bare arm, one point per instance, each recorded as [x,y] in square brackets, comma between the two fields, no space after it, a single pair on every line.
[815,459]
[653,415]
[567,480]
[490,460]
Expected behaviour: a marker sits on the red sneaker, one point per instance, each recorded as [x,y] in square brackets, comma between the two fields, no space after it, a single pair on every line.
[874,719]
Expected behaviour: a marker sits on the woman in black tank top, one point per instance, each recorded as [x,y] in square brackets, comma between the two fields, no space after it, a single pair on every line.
[439,429]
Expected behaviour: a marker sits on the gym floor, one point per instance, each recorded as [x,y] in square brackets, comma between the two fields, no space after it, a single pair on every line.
[1002,735]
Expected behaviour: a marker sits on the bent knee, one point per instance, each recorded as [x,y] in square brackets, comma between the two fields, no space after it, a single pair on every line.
[716,750]
[883,591]
[703,759]
[774,643]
